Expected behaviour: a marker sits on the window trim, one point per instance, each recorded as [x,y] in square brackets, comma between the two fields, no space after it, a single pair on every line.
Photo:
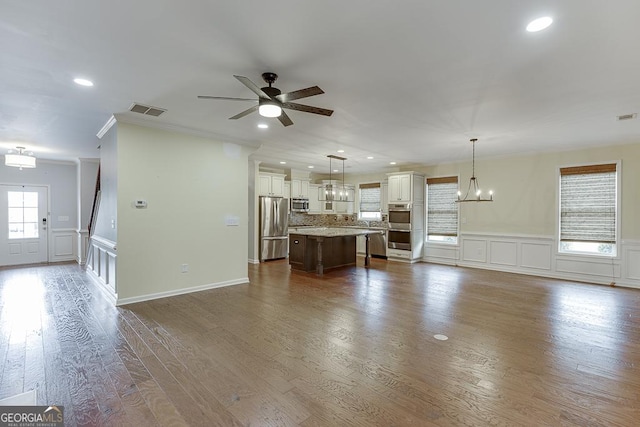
[446,179]
[590,166]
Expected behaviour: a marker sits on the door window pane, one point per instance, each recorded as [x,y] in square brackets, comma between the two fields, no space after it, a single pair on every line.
[30,230]
[16,230]
[16,215]
[30,199]
[23,214]
[15,199]
[31,215]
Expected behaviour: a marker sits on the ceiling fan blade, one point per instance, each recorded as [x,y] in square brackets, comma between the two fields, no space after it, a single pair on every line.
[284,119]
[297,94]
[244,113]
[251,85]
[226,98]
[306,108]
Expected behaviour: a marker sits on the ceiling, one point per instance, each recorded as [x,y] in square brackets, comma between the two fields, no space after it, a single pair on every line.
[410,82]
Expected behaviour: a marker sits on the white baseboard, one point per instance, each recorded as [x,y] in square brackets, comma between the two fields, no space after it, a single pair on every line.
[175,292]
[254,261]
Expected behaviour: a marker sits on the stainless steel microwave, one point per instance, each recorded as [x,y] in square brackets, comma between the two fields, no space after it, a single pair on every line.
[299,204]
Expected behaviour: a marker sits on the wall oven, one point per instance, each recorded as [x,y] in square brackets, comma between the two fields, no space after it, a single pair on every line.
[399,239]
[299,205]
[400,217]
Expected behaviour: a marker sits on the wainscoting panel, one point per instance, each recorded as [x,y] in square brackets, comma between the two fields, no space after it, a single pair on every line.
[535,255]
[101,263]
[631,260]
[503,253]
[443,253]
[538,256]
[474,250]
[606,268]
[62,245]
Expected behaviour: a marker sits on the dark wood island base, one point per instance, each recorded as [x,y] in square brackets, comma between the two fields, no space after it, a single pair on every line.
[324,249]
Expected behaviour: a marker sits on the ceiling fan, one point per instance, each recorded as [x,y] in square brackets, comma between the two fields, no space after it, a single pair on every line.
[271,100]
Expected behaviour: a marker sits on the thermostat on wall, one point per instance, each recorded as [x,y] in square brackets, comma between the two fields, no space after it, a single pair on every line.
[140,204]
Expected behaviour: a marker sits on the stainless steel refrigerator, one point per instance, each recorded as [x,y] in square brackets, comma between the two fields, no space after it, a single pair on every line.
[274,228]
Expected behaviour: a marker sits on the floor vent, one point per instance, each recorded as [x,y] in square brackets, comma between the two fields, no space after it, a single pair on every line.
[627,116]
[145,109]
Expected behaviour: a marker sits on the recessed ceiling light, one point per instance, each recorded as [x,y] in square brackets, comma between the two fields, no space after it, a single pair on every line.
[263,125]
[539,24]
[83,82]
[283,163]
[370,157]
[310,167]
[340,151]
[392,163]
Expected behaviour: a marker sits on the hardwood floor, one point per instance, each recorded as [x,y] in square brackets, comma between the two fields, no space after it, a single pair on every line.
[355,347]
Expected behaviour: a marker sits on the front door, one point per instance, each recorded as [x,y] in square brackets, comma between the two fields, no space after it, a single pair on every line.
[23,224]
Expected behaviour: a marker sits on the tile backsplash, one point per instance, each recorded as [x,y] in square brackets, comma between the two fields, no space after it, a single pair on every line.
[332,220]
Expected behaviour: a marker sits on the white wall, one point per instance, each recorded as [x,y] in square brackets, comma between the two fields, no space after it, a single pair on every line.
[192,186]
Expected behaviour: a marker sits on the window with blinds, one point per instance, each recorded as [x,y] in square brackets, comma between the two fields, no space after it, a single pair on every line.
[442,209]
[370,203]
[588,209]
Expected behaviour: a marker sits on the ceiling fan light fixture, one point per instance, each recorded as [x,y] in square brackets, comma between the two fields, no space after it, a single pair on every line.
[20,159]
[269,108]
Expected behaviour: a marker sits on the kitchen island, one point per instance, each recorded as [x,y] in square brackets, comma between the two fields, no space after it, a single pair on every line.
[323,248]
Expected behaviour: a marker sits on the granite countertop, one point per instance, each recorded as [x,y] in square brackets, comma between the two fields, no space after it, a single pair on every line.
[333,231]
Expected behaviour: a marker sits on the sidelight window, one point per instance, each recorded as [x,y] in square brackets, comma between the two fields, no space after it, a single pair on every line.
[23,214]
[588,209]
[442,209]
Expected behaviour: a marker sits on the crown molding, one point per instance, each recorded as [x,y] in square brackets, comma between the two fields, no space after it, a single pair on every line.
[104,129]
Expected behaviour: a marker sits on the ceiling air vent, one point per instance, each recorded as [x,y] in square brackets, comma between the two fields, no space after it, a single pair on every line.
[145,109]
[627,116]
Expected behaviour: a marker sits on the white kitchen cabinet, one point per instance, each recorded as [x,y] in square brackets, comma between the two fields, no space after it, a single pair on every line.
[399,188]
[287,194]
[300,188]
[271,184]
[315,205]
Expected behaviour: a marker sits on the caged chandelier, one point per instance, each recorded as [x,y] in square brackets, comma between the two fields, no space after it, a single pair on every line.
[330,188]
[474,194]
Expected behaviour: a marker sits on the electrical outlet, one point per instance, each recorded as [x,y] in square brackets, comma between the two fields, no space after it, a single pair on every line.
[184,268]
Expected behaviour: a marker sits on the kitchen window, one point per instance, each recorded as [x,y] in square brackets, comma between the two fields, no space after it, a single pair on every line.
[442,209]
[370,203]
[588,209]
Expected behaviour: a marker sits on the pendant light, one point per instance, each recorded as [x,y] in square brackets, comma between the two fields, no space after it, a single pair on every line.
[20,159]
[335,193]
[474,194]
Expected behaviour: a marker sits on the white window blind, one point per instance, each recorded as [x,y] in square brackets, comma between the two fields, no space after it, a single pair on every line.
[442,209]
[588,204]
[370,197]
